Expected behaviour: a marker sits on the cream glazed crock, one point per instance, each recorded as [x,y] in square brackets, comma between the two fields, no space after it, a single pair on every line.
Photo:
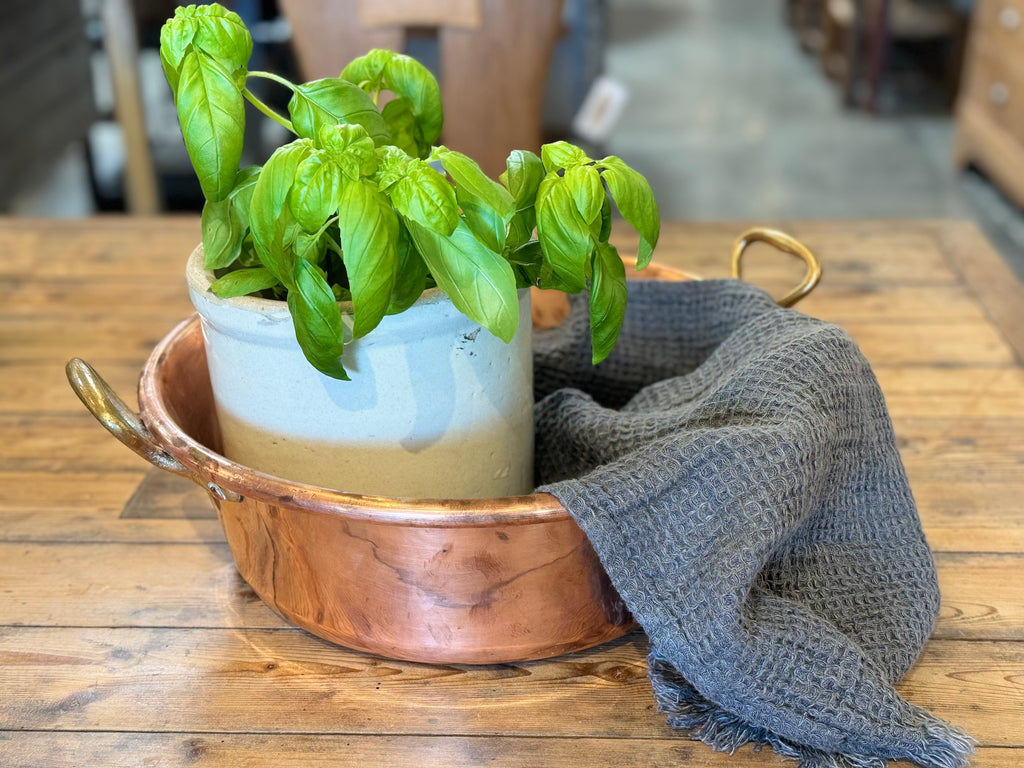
[437,407]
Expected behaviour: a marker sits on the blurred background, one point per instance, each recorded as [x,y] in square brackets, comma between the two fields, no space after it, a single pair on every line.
[757,110]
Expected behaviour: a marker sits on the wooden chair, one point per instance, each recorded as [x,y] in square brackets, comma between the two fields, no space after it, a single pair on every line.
[494,57]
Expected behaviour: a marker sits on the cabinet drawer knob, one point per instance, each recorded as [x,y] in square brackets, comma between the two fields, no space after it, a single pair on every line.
[1009,18]
[998,93]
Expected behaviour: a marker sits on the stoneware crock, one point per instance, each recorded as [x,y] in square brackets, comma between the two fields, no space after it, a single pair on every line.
[437,406]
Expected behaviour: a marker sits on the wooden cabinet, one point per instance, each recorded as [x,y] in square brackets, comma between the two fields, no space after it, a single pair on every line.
[990,112]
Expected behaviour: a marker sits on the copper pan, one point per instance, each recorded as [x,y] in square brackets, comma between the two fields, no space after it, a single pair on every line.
[452,580]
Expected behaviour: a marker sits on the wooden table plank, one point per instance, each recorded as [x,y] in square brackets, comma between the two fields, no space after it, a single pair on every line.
[230,750]
[262,680]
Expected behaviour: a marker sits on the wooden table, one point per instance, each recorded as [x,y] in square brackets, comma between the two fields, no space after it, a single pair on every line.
[127,638]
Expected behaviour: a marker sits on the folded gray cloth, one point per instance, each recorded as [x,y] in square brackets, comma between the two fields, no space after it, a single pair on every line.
[734,466]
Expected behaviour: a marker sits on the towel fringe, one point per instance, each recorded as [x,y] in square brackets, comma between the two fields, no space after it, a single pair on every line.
[686,709]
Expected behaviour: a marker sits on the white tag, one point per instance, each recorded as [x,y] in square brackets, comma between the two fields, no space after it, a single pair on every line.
[600,110]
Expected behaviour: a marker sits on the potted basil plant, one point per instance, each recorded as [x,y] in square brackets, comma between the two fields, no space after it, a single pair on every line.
[364,294]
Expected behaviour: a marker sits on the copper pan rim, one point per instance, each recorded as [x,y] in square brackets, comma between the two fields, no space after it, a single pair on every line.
[209,467]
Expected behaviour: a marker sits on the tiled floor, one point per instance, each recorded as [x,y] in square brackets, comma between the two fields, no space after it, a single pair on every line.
[729,119]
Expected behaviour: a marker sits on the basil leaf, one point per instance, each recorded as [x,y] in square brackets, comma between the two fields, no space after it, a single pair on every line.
[392,165]
[636,203]
[317,319]
[315,191]
[310,247]
[368,229]
[222,34]
[410,274]
[607,300]
[520,229]
[423,195]
[527,261]
[242,282]
[241,195]
[401,124]
[604,231]
[350,147]
[479,282]
[175,38]
[222,234]
[248,257]
[330,101]
[474,182]
[484,222]
[584,184]
[522,176]
[562,154]
[564,235]
[270,219]
[407,78]
[212,116]
[367,71]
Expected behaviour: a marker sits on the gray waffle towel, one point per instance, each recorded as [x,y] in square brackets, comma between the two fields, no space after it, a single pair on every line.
[734,466]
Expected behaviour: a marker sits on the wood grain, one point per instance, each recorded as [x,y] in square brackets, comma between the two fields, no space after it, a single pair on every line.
[194,584]
[232,750]
[99,611]
[261,680]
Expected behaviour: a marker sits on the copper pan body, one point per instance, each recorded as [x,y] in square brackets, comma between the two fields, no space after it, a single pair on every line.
[437,580]
[469,581]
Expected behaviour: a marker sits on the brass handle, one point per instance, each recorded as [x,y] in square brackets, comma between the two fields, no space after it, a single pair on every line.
[786,244]
[124,424]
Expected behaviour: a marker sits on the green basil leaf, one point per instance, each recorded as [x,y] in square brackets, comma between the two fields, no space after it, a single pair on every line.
[561,154]
[315,191]
[607,300]
[636,203]
[248,257]
[311,247]
[401,124]
[175,38]
[211,111]
[410,274]
[317,319]
[484,222]
[243,282]
[241,195]
[407,78]
[330,101]
[270,221]
[584,184]
[350,147]
[367,71]
[368,228]
[520,229]
[604,231]
[392,165]
[522,176]
[474,182]
[222,234]
[222,34]
[423,195]
[564,235]
[527,261]
[479,282]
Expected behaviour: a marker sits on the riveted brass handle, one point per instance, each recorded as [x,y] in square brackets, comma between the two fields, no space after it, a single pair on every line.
[126,425]
[787,244]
